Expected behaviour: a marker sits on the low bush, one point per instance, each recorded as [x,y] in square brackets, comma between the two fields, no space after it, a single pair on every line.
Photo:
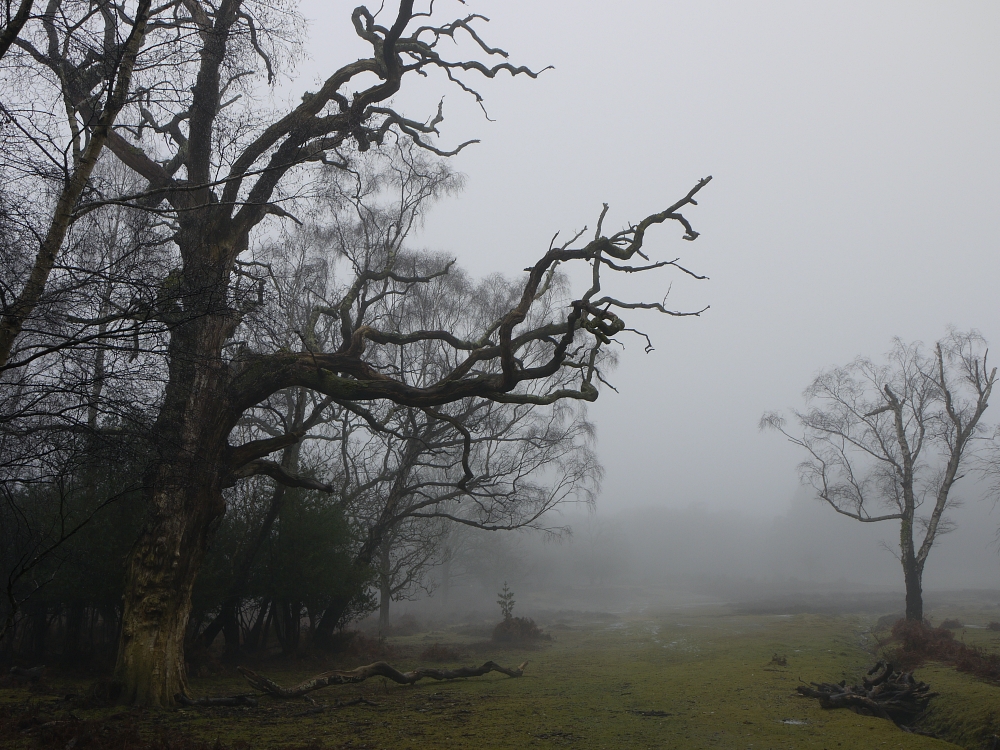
[518,629]
[919,642]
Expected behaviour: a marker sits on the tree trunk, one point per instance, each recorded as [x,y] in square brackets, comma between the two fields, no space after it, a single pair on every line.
[243,568]
[913,568]
[445,582]
[231,629]
[160,578]
[332,618]
[74,629]
[913,574]
[39,631]
[287,625]
[252,642]
[384,588]
[184,501]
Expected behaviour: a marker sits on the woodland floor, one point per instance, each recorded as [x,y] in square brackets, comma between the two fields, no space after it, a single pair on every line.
[692,678]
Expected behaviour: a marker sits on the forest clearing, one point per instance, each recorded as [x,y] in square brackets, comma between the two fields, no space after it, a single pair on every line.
[274,433]
[694,677]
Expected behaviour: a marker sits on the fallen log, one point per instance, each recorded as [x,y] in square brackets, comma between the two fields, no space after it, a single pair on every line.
[885,693]
[378,669]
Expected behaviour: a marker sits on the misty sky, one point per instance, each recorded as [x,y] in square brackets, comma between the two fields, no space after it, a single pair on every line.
[855,152]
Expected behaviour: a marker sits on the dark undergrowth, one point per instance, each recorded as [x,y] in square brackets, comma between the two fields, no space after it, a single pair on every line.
[518,630]
[30,725]
[918,643]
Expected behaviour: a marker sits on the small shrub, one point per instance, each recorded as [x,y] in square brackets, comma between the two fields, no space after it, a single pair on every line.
[952,624]
[919,642]
[518,629]
[506,602]
[993,626]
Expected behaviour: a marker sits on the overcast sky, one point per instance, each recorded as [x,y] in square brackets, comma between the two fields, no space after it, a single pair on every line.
[855,148]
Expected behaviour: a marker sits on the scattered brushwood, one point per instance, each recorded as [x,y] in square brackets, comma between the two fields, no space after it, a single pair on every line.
[885,693]
[378,669]
[518,630]
[919,643]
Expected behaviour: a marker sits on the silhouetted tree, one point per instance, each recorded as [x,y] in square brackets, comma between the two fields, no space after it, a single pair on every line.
[887,441]
[217,167]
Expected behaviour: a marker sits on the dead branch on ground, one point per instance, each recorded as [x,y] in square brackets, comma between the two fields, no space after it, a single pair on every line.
[896,696]
[378,669]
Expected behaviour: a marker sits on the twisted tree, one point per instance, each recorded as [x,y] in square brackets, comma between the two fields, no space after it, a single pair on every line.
[218,172]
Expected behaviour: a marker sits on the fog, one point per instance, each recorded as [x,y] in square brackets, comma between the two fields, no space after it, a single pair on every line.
[802,558]
[855,161]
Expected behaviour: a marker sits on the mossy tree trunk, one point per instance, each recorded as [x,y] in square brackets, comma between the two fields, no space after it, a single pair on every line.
[184,492]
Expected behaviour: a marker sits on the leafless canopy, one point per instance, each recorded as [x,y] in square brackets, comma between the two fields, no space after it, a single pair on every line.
[887,441]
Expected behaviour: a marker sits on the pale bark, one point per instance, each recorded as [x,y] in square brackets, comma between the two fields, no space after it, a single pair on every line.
[378,669]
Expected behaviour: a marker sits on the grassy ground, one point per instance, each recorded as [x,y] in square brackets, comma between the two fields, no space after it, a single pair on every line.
[679,680]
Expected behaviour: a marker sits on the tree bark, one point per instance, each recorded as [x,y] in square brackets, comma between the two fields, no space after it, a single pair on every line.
[913,568]
[184,499]
[385,587]
[913,575]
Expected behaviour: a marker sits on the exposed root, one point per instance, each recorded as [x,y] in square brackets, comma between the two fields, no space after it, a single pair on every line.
[378,669]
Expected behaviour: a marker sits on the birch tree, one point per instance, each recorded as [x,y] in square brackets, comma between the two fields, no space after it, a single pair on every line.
[888,441]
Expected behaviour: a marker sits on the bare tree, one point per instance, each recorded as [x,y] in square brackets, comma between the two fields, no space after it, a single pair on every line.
[405,555]
[90,58]
[12,21]
[888,442]
[217,169]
